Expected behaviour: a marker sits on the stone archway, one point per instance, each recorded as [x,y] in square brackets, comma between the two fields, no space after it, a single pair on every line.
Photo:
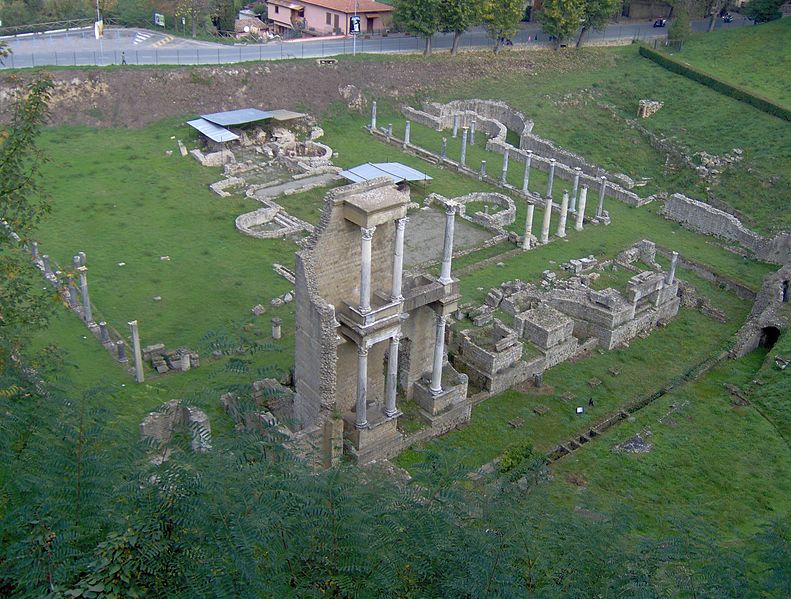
[769,336]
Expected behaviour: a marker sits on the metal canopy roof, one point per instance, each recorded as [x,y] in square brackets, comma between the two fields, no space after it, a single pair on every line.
[395,170]
[286,115]
[212,131]
[237,117]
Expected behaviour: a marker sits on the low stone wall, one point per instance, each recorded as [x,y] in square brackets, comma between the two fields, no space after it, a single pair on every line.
[703,218]
[284,223]
[769,310]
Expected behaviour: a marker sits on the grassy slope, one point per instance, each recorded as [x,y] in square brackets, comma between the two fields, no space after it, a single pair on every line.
[705,462]
[756,58]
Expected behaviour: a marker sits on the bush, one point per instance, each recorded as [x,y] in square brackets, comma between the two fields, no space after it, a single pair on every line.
[723,87]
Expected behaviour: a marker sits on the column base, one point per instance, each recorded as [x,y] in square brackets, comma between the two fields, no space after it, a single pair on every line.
[454,391]
[379,440]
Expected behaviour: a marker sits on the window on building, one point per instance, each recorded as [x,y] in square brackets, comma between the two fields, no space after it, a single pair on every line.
[329,18]
[277,9]
[336,21]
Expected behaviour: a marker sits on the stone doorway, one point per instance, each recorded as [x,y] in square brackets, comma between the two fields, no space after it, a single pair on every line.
[769,336]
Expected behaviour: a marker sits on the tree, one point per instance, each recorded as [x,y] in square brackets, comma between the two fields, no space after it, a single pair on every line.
[761,11]
[680,29]
[23,304]
[196,10]
[596,15]
[501,18]
[458,16]
[421,17]
[561,18]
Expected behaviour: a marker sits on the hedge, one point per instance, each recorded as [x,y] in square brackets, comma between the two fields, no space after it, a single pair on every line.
[728,89]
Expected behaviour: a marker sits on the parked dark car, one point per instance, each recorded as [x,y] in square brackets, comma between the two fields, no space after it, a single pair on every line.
[660,23]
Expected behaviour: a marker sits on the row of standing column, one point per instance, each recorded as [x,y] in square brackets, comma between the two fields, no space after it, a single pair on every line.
[366,238]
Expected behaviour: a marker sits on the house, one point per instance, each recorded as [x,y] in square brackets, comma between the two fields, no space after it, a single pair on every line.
[327,17]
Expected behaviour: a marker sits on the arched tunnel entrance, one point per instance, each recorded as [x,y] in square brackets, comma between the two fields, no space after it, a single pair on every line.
[769,336]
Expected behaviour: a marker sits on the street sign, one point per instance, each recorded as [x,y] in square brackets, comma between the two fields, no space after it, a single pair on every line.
[354,24]
[159,19]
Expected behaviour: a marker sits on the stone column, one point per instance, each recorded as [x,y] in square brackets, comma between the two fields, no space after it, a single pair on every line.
[361,419]
[526,180]
[398,260]
[528,227]
[72,290]
[463,158]
[504,173]
[602,189]
[373,116]
[483,169]
[564,208]
[276,330]
[365,268]
[439,351]
[47,267]
[138,356]
[392,376]
[443,149]
[671,276]
[407,130]
[34,249]
[104,334]
[86,300]
[551,177]
[581,208]
[472,132]
[120,350]
[447,248]
[455,125]
[545,225]
[577,173]
[389,130]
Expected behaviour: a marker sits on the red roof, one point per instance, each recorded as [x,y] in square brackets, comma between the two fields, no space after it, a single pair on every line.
[348,6]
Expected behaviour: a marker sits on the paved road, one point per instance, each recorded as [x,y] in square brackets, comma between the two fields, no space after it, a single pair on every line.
[141,46]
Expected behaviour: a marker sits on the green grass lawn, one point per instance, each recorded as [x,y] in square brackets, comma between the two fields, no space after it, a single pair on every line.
[119,198]
[710,460]
[755,58]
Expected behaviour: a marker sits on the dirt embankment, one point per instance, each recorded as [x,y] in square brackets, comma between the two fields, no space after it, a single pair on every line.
[135,97]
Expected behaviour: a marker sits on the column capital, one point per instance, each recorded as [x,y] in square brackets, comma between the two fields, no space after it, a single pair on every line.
[362,350]
[603,179]
[401,223]
[577,169]
[396,338]
[440,319]
[529,152]
[552,161]
[80,269]
[367,232]
[450,209]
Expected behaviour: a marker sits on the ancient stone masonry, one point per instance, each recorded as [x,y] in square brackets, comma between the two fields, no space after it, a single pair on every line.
[173,417]
[495,119]
[647,108]
[365,333]
[560,319]
[494,222]
[706,219]
[768,316]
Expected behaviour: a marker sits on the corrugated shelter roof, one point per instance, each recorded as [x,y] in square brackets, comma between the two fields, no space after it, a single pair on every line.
[212,131]
[237,117]
[395,170]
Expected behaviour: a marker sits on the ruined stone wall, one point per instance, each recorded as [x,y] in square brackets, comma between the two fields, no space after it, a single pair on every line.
[769,310]
[706,219]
